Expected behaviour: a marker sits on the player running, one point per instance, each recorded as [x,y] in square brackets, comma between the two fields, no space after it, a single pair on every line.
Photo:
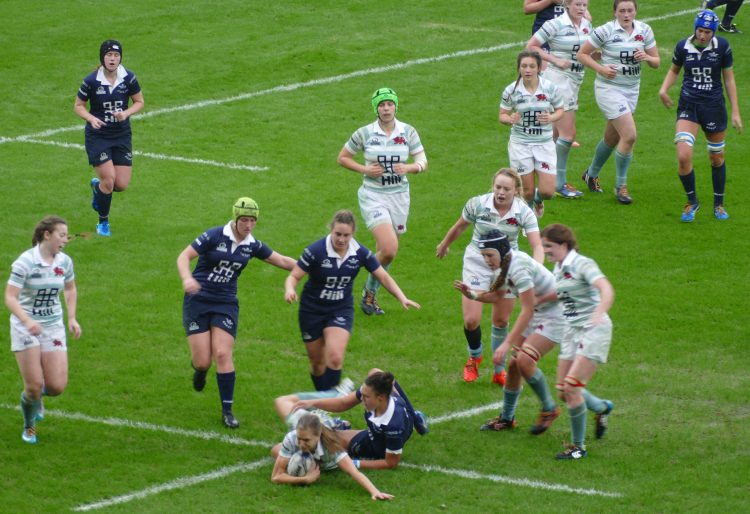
[536,331]
[37,332]
[564,36]
[210,311]
[387,145]
[326,311]
[624,44]
[108,90]
[530,106]
[502,209]
[707,60]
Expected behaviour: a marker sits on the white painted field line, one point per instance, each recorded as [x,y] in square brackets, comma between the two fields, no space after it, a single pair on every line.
[178,483]
[118,422]
[464,413]
[524,482]
[318,82]
[151,155]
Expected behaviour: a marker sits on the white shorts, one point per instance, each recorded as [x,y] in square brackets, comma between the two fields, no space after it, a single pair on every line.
[378,208]
[52,338]
[549,324]
[476,274]
[591,341]
[615,102]
[526,158]
[567,87]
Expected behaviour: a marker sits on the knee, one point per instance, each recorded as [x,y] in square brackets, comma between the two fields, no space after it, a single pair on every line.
[716,160]
[500,321]
[628,139]
[387,254]
[572,389]
[55,388]
[201,362]
[526,365]
[223,357]
[335,360]
[471,323]
[33,390]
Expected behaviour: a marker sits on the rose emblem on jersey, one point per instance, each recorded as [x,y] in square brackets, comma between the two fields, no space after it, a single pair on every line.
[399,140]
[567,275]
[59,272]
[56,342]
[638,37]
[512,221]
[545,166]
[541,97]
[585,31]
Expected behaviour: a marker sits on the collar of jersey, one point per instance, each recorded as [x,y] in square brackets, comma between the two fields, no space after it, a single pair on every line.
[713,45]
[332,253]
[398,128]
[567,260]
[227,231]
[490,204]
[384,418]
[36,256]
[620,27]
[121,73]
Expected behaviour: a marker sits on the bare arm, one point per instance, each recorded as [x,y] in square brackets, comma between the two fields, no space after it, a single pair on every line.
[347,466]
[339,404]
[453,233]
[79,107]
[135,107]
[535,241]
[280,476]
[189,284]
[346,159]
[673,73]
[479,296]
[71,298]
[391,461]
[281,261]
[14,306]
[392,287]
[290,284]
[607,298]
[585,56]
[731,87]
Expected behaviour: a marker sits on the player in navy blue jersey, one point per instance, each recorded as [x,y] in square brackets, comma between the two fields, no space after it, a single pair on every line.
[544,10]
[210,311]
[707,60]
[326,312]
[389,415]
[108,91]
[727,22]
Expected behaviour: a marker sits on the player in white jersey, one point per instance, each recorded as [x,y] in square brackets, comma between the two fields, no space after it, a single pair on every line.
[624,43]
[37,332]
[564,35]
[384,200]
[586,296]
[529,106]
[537,330]
[502,209]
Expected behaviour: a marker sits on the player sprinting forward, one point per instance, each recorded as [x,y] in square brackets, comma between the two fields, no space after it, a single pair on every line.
[389,415]
[564,36]
[210,311]
[505,210]
[707,60]
[108,90]
[624,44]
[314,432]
[530,106]
[387,145]
[536,331]
[586,296]
[37,332]
[326,311]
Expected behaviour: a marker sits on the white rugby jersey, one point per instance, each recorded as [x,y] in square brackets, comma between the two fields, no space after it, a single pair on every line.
[530,104]
[386,151]
[525,273]
[41,285]
[618,47]
[480,210]
[574,277]
[565,39]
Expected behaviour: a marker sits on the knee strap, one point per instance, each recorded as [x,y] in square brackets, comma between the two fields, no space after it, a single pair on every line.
[715,148]
[514,351]
[684,137]
[532,352]
[573,382]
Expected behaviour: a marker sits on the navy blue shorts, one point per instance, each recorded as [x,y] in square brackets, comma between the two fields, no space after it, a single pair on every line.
[362,446]
[313,321]
[712,117]
[199,315]
[118,149]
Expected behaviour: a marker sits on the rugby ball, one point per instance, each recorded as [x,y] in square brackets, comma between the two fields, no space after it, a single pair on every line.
[300,464]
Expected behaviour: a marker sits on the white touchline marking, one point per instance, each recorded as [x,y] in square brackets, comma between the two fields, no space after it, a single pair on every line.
[535,484]
[177,483]
[119,422]
[318,82]
[464,413]
[151,155]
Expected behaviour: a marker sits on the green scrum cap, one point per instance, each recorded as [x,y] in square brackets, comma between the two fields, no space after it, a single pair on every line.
[245,206]
[381,95]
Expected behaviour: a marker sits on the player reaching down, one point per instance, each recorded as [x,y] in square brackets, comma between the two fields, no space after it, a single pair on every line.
[707,60]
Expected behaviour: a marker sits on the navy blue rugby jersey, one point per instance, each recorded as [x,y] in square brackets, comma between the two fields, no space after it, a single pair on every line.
[221,259]
[548,13]
[105,99]
[392,428]
[331,277]
[702,79]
